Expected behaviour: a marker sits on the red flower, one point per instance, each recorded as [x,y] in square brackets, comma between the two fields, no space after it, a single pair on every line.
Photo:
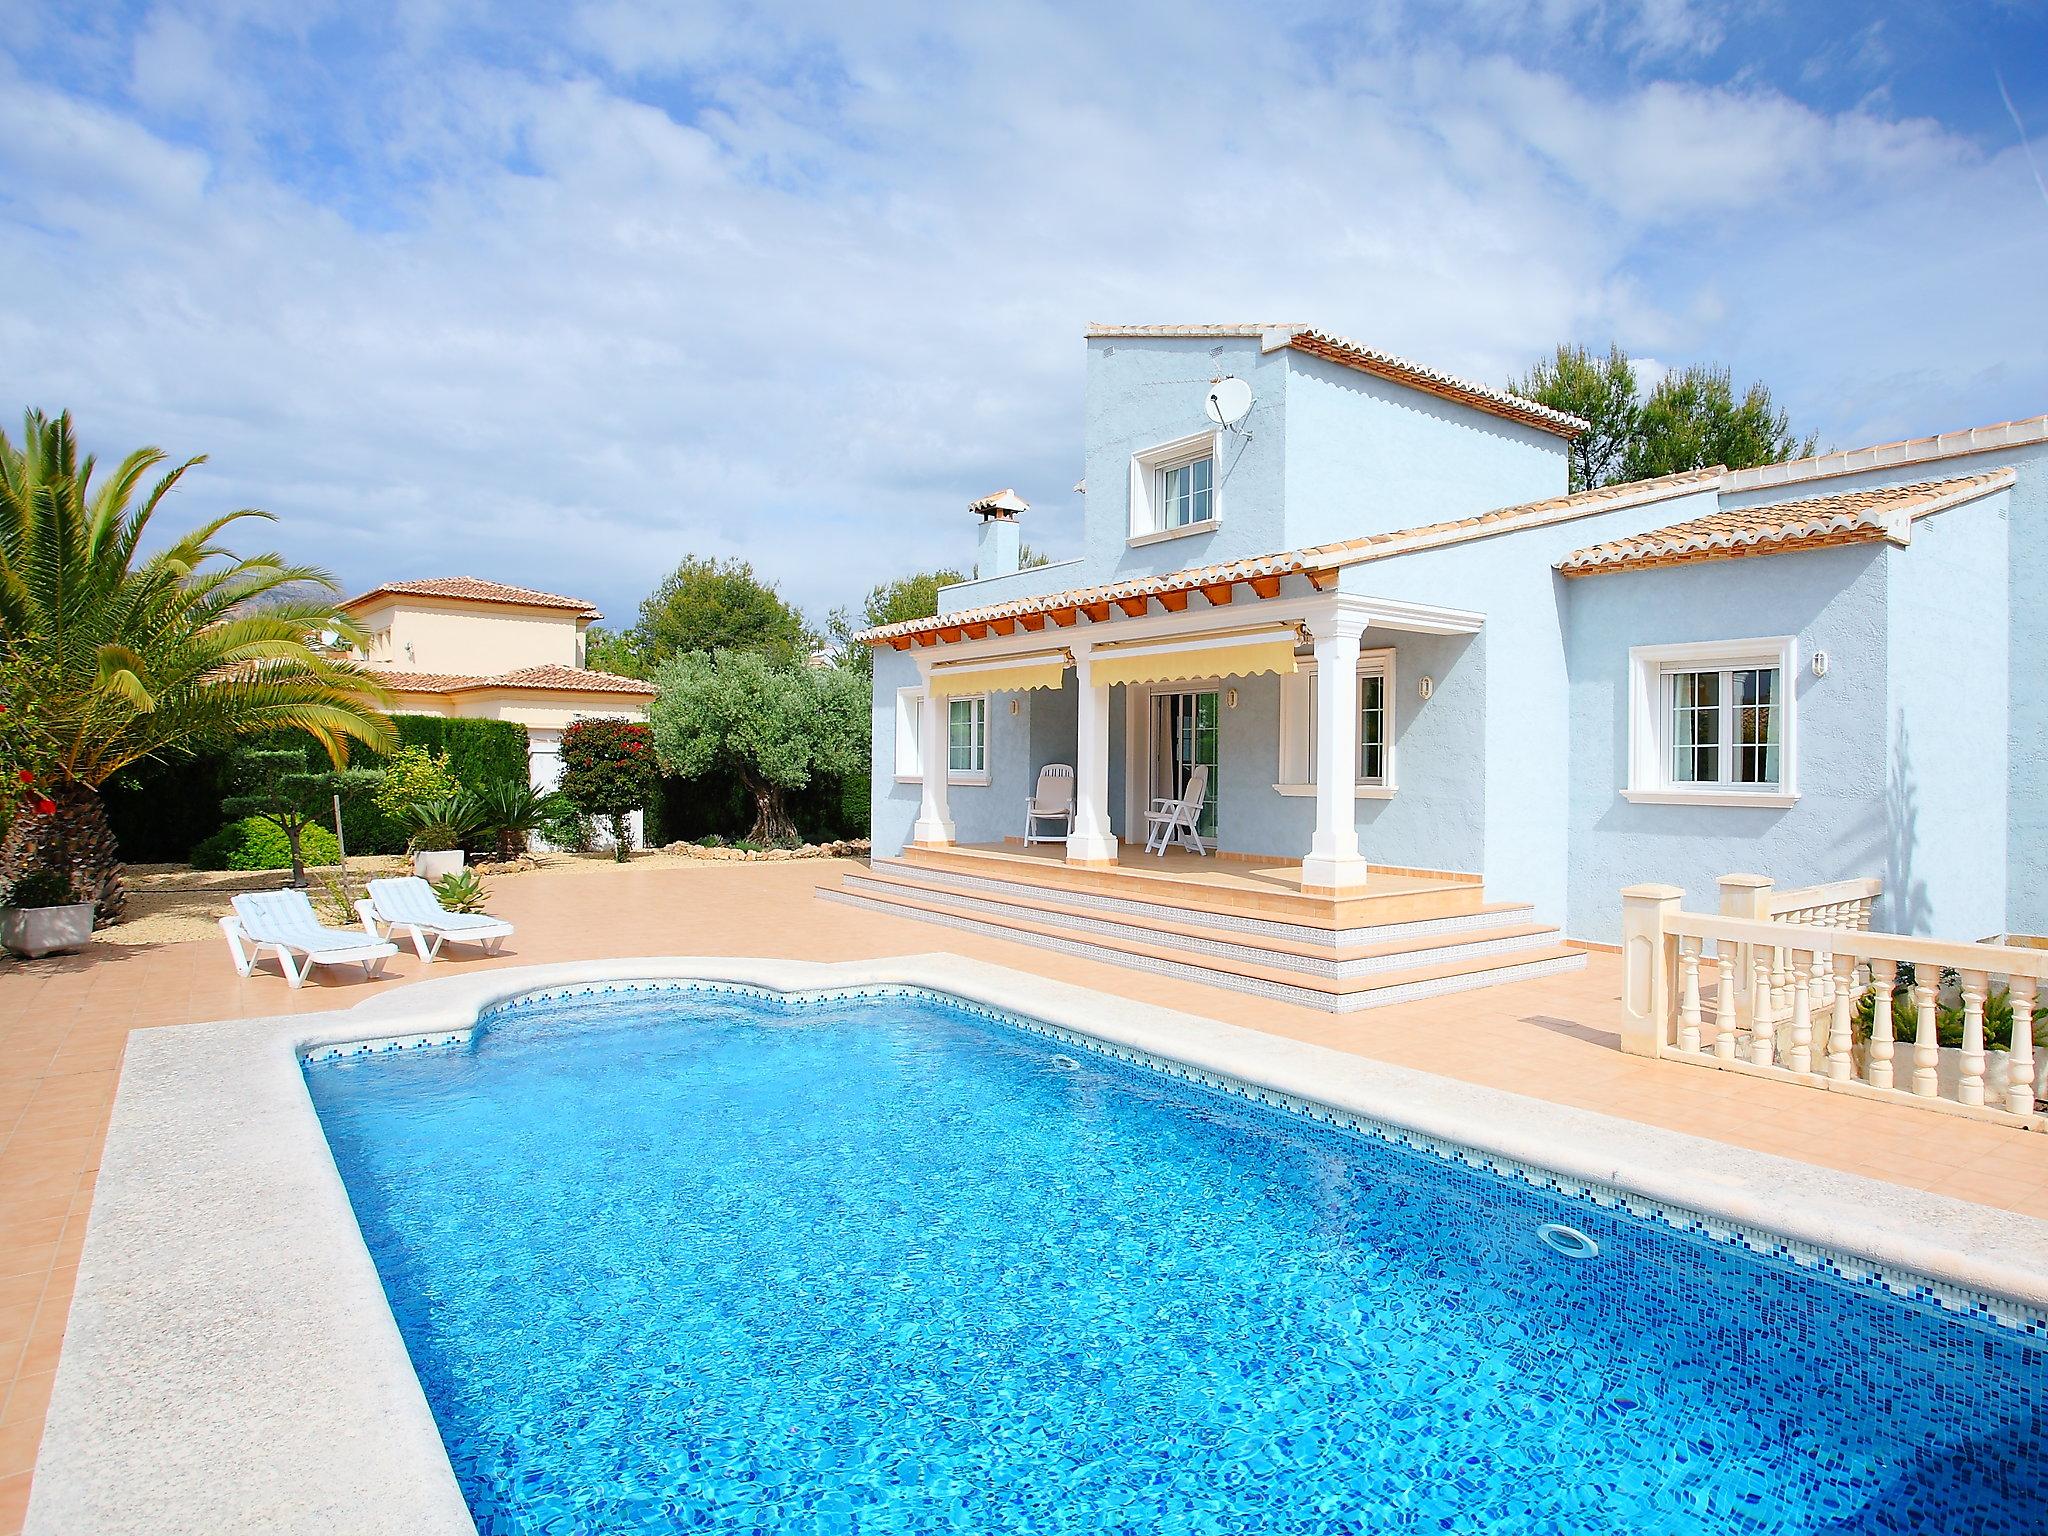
[26,777]
[45,806]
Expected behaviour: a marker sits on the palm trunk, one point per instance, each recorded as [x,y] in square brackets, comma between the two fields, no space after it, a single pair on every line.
[76,839]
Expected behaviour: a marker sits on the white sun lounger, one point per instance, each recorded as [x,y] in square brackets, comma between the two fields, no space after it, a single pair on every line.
[285,921]
[408,902]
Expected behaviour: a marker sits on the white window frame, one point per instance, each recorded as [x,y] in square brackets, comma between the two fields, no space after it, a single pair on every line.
[967,775]
[1148,469]
[909,725]
[1649,721]
[1295,771]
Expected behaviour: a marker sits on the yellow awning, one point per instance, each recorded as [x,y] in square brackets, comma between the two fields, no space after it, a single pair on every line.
[1015,674]
[1241,655]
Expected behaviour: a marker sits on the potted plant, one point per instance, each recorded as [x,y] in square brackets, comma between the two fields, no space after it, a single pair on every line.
[438,828]
[42,917]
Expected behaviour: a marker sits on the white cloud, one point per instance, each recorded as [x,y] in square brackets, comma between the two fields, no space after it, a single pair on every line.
[562,309]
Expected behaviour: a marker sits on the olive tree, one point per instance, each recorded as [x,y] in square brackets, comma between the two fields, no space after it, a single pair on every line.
[771,725]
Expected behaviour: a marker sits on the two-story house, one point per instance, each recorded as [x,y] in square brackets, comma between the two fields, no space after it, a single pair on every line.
[1443,711]
[460,646]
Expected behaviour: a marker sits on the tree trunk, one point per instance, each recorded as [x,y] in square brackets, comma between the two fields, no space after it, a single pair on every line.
[622,837]
[772,823]
[76,839]
[293,831]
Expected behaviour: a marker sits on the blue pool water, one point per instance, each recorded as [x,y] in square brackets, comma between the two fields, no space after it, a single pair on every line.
[682,1262]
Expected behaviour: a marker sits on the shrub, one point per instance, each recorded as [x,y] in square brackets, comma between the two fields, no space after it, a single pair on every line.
[608,770]
[412,775]
[563,826]
[40,888]
[443,822]
[255,844]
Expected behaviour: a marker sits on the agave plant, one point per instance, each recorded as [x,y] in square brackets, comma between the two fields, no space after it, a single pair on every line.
[513,811]
[462,891]
[442,823]
[123,656]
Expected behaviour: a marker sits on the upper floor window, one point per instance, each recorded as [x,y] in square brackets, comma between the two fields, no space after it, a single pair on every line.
[1186,493]
[1712,723]
[1174,490]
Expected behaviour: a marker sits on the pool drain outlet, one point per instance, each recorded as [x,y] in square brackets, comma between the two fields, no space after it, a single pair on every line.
[1569,1241]
[1066,1064]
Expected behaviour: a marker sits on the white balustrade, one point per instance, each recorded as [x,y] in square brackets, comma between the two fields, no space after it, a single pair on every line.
[1833,1004]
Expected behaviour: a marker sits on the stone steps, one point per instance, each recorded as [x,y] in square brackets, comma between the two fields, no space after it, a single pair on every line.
[1336,970]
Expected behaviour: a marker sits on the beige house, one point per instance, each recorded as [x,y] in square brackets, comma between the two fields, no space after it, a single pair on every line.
[460,646]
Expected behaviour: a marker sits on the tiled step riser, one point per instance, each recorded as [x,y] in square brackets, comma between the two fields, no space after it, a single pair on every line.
[1306,997]
[1333,938]
[1086,926]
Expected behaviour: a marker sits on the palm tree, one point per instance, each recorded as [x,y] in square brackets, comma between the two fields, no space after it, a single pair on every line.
[121,656]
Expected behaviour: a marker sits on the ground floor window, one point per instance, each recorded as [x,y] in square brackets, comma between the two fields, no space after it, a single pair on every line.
[1375,705]
[967,737]
[1712,721]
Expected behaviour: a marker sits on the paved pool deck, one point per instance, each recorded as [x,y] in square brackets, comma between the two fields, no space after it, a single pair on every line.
[65,1022]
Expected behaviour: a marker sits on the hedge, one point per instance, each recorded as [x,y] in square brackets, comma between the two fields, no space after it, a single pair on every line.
[161,812]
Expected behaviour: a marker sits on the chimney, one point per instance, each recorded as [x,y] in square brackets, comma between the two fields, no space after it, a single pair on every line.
[998,552]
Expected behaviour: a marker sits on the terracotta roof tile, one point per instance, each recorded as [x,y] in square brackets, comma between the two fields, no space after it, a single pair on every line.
[1355,354]
[553,678]
[1813,522]
[1323,557]
[476,590]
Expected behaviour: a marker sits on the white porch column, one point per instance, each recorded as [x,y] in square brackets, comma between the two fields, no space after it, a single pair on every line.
[934,827]
[1091,841]
[1333,863]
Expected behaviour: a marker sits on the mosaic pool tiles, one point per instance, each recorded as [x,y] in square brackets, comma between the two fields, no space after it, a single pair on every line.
[666,1262]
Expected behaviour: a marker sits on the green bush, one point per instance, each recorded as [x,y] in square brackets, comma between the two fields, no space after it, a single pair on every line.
[565,827]
[256,844]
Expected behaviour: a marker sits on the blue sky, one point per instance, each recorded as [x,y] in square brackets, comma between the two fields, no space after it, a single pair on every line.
[559,293]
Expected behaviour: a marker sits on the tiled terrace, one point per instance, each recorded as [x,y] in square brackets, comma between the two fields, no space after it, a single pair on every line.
[63,1024]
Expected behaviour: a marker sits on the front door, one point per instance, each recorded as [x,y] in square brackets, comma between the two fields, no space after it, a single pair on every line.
[1184,737]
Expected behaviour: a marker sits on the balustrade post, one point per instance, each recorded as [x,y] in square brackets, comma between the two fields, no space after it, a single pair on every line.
[1648,961]
[1841,1065]
[1884,974]
[1749,898]
[1689,995]
[2019,1055]
[1800,1057]
[1781,985]
[1724,1002]
[1970,1089]
[1926,1040]
[1763,1021]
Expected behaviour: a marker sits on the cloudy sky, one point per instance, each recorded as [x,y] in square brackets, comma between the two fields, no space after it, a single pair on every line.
[558,293]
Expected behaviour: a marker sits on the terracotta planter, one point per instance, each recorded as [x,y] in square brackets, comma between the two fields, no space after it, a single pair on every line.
[39,931]
[433,863]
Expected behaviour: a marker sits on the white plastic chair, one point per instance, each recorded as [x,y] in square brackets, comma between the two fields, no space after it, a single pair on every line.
[1053,801]
[1179,820]
[285,922]
[408,902]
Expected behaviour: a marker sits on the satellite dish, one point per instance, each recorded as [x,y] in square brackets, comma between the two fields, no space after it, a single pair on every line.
[1229,399]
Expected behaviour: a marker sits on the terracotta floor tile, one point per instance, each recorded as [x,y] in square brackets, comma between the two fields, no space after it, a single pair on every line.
[64,1023]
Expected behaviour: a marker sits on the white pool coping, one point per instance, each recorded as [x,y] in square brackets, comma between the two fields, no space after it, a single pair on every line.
[231,1364]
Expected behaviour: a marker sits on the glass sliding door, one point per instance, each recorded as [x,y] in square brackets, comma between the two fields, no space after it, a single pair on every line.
[1184,738]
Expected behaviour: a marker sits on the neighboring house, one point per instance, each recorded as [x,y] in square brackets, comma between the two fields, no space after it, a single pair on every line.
[462,647]
[1369,608]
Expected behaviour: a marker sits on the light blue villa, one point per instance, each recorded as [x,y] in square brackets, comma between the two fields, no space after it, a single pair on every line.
[1354,590]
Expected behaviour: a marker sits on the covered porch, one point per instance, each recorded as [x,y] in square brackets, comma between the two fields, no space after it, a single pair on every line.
[1137,698]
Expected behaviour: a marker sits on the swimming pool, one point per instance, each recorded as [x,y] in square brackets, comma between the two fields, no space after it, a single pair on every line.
[721,1261]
